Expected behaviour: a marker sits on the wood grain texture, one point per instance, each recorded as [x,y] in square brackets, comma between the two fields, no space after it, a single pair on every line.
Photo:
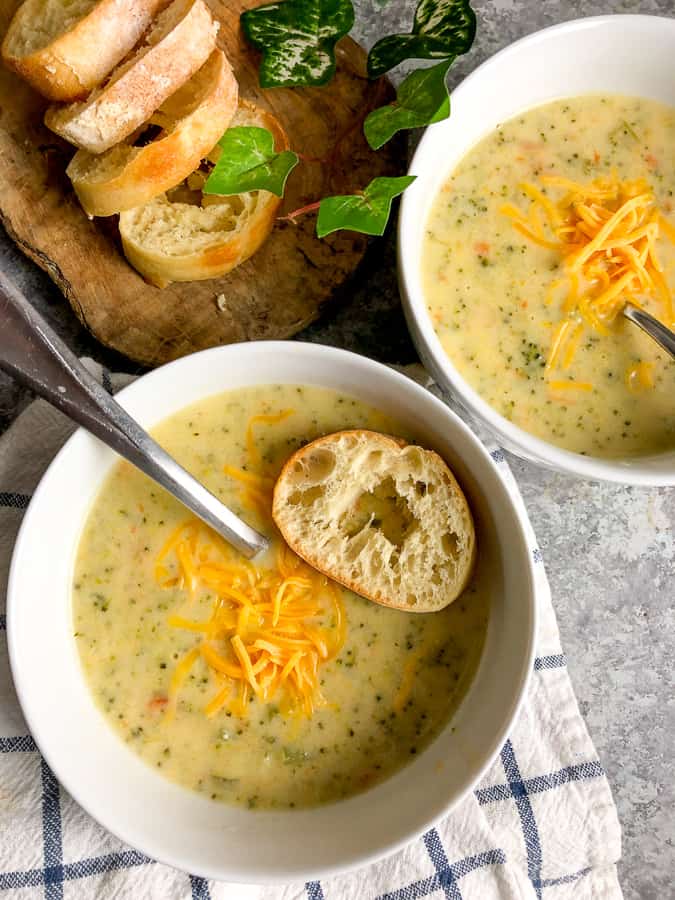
[273,295]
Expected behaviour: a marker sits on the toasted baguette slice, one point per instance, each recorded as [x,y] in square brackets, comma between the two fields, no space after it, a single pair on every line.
[179,43]
[64,50]
[190,236]
[386,519]
[192,121]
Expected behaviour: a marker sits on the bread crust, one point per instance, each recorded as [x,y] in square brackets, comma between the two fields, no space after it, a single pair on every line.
[66,68]
[364,590]
[228,249]
[179,43]
[128,176]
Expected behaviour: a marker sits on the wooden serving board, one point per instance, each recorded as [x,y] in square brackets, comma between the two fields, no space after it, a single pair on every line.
[274,294]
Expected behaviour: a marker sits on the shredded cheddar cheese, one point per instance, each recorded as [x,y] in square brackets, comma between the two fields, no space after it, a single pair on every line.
[606,233]
[561,385]
[271,628]
[639,377]
[270,632]
[266,419]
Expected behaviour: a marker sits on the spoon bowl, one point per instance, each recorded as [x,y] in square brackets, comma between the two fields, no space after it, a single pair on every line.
[656,330]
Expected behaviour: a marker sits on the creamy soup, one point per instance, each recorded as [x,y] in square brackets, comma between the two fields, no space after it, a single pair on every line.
[388,690]
[498,289]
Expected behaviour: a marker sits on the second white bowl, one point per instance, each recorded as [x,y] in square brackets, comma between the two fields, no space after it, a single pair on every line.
[630,55]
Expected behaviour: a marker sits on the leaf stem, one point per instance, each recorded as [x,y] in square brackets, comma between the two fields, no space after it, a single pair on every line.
[312,159]
[292,216]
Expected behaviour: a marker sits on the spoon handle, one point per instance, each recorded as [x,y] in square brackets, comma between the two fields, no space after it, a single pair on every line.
[663,336]
[34,355]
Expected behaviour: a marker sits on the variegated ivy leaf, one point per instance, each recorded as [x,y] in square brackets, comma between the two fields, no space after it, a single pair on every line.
[248,162]
[442,29]
[422,99]
[297,39]
[367,212]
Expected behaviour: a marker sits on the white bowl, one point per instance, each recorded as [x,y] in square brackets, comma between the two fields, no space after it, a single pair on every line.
[613,54]
[180,827]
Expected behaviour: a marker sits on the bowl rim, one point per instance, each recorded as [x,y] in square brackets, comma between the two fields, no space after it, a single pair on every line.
[28,532]
[427,343]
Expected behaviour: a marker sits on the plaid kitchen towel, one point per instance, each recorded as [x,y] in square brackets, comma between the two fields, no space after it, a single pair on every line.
[541,824]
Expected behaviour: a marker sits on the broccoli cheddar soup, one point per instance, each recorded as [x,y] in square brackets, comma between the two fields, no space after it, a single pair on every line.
[538,239]
[257,683]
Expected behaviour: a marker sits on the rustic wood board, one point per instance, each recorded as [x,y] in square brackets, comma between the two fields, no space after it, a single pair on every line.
[276,293]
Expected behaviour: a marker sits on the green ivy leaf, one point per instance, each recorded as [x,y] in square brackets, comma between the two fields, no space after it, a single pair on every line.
[249,162]
[442,28]
[422,99]
[367,212]
[297,39]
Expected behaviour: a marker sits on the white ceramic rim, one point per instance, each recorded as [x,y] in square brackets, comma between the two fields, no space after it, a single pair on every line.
[28,547]
[438,363]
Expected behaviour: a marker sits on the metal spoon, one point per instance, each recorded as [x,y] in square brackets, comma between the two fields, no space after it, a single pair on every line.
[663,336]
[35,356]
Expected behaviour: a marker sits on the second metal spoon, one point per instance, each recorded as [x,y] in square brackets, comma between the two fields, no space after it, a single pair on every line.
[656,330]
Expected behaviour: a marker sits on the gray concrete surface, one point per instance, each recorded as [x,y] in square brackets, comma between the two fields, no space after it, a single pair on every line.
[609,549]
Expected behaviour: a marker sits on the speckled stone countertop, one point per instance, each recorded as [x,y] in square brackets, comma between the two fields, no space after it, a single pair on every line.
[609,550]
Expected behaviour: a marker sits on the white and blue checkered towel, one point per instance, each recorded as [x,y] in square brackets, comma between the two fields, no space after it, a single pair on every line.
[542,823]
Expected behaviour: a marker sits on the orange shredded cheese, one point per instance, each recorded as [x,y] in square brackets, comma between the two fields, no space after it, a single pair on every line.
[271,628]
[606,233]
[180,673]
[257,481]
[639,377]
[570,385]
[272,635]
[216,704]
[407,682]
[266,419]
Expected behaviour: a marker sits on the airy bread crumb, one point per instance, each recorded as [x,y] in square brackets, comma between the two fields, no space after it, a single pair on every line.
[386,519]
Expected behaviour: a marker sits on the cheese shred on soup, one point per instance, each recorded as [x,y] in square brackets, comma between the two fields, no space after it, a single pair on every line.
[534,245]
[262,684]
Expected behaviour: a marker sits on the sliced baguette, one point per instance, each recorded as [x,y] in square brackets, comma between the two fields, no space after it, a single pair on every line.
[179,43]
[386,519]
[64,50]
[192,121]
[190,236]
